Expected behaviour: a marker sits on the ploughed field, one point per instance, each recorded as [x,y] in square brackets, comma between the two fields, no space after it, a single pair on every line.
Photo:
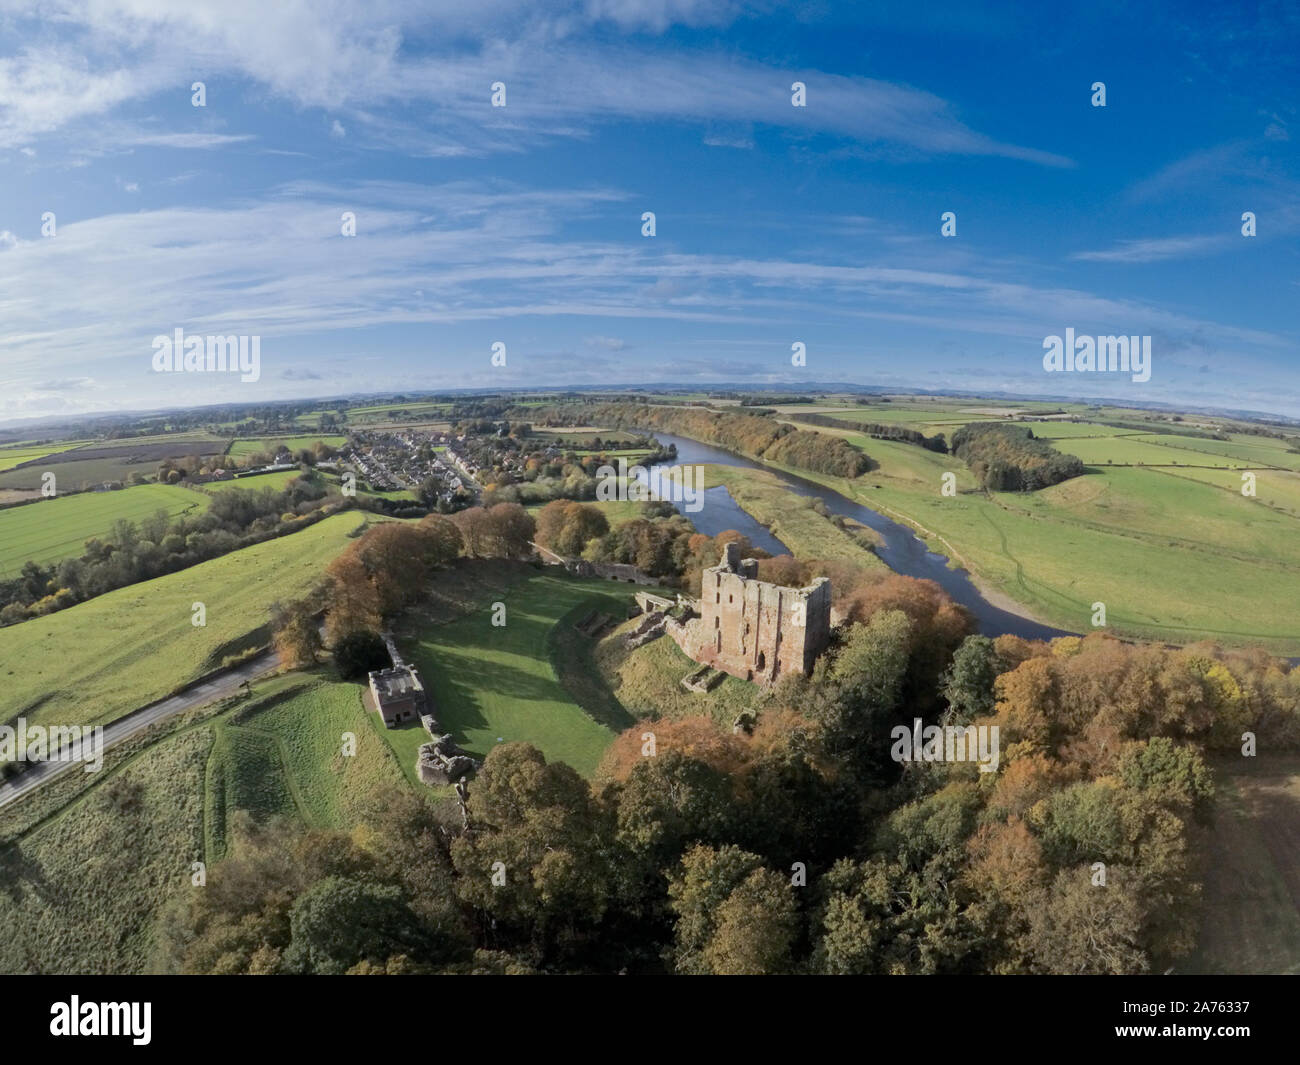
[18,454]
[271,444]
[1251,905]
[116,460]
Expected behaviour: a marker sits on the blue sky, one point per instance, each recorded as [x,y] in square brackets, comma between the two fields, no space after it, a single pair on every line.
[522,224]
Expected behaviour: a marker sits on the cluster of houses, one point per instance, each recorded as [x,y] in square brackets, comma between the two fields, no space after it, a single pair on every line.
[389,461]
[372,468]
[463,467]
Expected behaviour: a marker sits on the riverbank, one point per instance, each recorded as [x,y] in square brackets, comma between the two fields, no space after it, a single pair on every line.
[807,533]
[1096,538]
[900,549]
[759,499]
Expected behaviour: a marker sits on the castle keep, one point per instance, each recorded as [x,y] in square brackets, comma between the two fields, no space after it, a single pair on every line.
[752,629]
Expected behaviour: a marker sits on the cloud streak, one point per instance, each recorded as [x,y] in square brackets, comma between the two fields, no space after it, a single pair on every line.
[1154,249]
[89,302]
[351,58]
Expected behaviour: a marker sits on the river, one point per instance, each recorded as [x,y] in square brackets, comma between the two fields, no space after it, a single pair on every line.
[902,550]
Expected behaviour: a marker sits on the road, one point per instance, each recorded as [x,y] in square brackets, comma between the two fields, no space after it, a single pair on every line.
[216,687]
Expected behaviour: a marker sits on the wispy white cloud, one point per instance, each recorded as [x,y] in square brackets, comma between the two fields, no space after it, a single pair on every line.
[1154,249]
[187,140]
[1193,169]
[351,58]
[88,302]
[658,15]
[607,343]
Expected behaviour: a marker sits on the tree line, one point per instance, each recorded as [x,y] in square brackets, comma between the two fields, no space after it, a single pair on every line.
[161,544]
[659,542]
[748,434]
[879,431]
[382,573]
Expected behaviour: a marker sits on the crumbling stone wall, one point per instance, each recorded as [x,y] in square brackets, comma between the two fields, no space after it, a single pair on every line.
[443,762]
[752,629]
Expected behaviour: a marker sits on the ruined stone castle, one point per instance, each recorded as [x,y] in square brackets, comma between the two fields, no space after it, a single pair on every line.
[752,629]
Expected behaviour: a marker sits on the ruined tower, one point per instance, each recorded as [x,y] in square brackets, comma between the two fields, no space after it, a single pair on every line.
[756,630]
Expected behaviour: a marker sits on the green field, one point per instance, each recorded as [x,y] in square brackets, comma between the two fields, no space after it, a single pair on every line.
[13,456]
[98,856]
[270,444]
[92,463]
[54,529]
[1075,430]
[633,455]
[100,659]
[402,495]
[190,442]
[396,411]
[1174,551]
[1274,488]
[647,682]
[311,418]
[583,441]
[1135,450]
[501,684]
[927,420]
[616,511]
[1248,454]
[276,481]
[1170,557]
[792,519]
[82,891]
[396,495]
[284,756]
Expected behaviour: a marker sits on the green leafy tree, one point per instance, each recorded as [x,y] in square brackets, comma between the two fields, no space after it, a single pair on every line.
[1082,929]
[359,652]
[339,922]
[968,682]
[1175,773]
[756,928]
[733,916]
[667,803]
[536,864]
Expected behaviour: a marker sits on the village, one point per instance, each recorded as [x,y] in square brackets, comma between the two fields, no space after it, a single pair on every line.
[411,459]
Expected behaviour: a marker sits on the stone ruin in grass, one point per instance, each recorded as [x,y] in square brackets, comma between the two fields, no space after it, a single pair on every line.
[399,694]
[443,762]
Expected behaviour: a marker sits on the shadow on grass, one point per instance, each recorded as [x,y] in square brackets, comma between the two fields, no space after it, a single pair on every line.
[17,871]
[458,682]
[573,658]
[472,669]
[1251,912]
